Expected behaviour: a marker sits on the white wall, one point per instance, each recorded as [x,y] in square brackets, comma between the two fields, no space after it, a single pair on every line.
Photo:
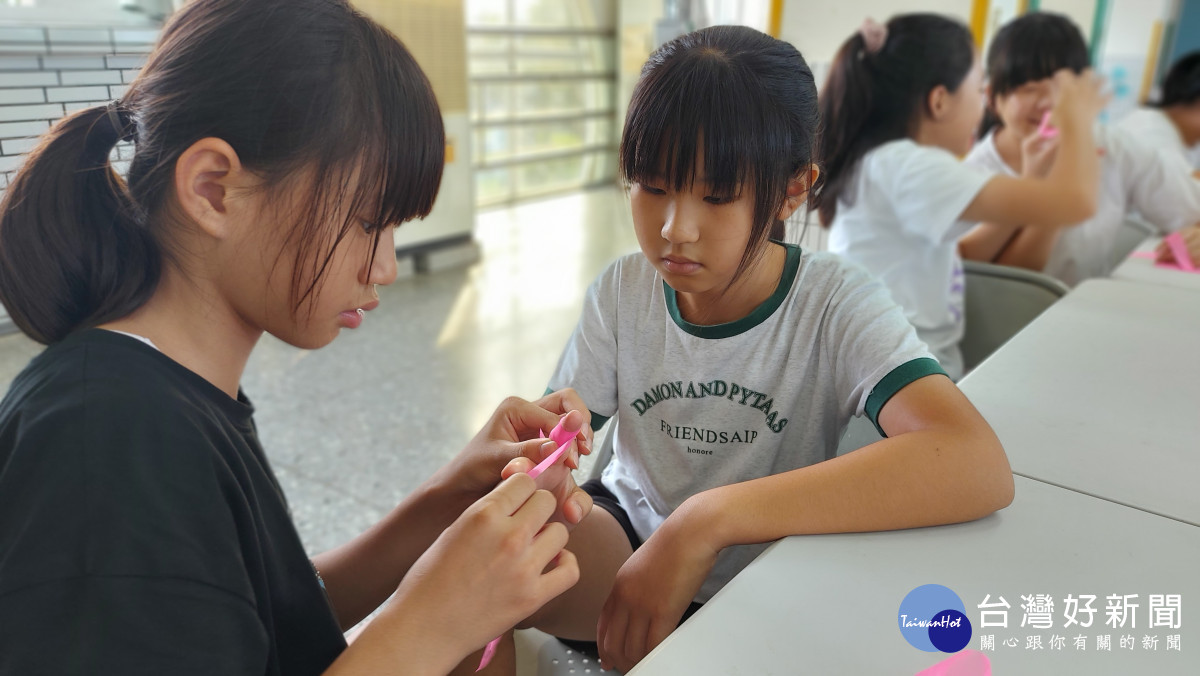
[1125,50]
[77,12]
[819,29]
[453,213]
[1080,11]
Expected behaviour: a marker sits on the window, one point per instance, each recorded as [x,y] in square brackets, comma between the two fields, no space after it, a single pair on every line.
[542,91]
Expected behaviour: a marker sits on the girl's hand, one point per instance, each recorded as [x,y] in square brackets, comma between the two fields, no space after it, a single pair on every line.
[1191,238]
[652,591]
[1080,97]
[1037,155]
[573,502]
[511,432]
[494,566]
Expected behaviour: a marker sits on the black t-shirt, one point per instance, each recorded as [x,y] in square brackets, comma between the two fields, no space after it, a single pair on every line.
[141,528]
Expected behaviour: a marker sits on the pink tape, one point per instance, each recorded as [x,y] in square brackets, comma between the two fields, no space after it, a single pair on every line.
[1164,265]
[1045,130]
[1179,250]
[563,437]
[963,663]
[489,652]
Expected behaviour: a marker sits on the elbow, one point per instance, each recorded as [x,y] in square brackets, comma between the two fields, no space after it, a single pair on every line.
[988,487]
[994,482]
[1081,205]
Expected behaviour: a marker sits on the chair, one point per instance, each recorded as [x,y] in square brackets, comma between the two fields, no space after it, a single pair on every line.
[1000,301]
[1133,232]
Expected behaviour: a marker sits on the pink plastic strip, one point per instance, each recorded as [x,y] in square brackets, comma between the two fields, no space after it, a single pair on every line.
[1045,130]
[1180,251]
[1164,265]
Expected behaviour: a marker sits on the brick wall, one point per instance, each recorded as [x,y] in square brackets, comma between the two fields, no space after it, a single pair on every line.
[49,72]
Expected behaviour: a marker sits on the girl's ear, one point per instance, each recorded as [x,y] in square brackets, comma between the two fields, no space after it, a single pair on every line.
[205,174]
[937,102]
[797,191]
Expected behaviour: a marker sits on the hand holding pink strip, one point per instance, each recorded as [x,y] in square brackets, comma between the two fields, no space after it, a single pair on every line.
[1045,130]
[563,437]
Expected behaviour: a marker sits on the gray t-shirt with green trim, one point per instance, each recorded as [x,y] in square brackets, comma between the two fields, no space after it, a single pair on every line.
[697,407]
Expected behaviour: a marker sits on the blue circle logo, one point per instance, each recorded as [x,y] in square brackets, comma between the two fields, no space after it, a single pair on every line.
[934,619]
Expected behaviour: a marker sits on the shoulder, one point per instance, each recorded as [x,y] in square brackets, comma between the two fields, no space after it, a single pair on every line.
[984,154]
[630,274]
[1126,153]
[904,166]
[114,402]
[835,279]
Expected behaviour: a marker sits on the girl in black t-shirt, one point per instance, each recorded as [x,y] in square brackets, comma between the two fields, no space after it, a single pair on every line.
[278,144]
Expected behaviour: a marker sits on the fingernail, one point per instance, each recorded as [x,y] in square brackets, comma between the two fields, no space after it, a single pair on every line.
[547,448]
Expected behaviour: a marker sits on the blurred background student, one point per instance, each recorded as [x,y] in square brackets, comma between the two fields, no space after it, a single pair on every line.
[1134,177]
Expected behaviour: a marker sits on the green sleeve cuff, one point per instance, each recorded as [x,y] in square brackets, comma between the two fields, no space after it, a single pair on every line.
[899,378]
[597,419]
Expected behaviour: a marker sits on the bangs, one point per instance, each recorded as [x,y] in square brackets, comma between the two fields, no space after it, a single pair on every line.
[699,104]
[383,159]
[405,140]
[1033,48]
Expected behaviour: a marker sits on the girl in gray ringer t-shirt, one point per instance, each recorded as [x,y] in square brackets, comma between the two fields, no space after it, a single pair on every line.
[730,363]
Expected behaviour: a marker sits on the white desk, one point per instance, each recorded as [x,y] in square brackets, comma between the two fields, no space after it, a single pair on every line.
[828,604]
[1135,269]
[1101,394]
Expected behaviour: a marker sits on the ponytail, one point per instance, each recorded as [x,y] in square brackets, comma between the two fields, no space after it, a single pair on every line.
[74,252]
[875,93]
[846,103]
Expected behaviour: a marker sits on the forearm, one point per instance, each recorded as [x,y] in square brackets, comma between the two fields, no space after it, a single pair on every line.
[986,241]
[361,574]
[1030,249]
[1075,176]
[922,478]
[399,641]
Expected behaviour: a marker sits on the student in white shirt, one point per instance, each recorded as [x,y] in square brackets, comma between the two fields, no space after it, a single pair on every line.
[901,105]
[1134,177]
[729,364]
[1172,125]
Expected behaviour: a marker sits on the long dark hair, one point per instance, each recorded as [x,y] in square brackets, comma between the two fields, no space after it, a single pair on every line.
[743,99]
[302,90]
[872,98]
[1182,84]
[1027,49]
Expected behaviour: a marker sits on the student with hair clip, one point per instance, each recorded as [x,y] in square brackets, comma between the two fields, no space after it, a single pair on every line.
[729,364]
[278,144]
[901,105]
[1172,125]
[1134,177]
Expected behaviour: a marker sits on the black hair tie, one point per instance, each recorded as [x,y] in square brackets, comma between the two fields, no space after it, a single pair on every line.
[121,122]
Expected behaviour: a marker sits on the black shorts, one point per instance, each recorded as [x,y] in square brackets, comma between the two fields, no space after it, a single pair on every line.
[604,499]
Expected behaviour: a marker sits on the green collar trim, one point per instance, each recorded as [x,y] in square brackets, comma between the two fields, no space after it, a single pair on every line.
[757,316]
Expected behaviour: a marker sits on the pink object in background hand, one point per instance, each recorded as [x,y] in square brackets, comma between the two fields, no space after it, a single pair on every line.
[963,663]
[1183,261]
[1179,250]
[1045,130]
[563,438]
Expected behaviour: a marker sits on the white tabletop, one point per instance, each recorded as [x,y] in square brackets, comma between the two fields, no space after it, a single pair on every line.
[829,604]
[1101,394]
[1138,269]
